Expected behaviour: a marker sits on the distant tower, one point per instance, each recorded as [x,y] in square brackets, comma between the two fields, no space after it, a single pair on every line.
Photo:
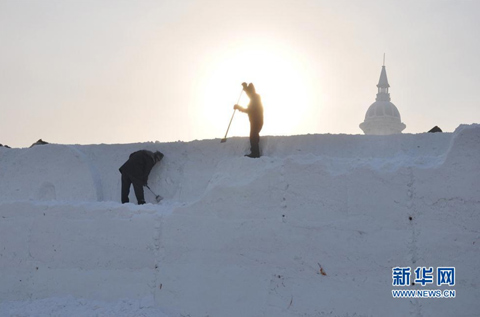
[382,117]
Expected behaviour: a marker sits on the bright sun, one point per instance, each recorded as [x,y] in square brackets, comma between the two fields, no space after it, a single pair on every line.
[279,76]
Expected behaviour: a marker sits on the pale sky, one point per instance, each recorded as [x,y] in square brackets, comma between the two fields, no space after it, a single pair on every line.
[112,71]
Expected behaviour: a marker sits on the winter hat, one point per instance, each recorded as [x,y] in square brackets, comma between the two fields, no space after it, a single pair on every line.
[158,156]
[248,87]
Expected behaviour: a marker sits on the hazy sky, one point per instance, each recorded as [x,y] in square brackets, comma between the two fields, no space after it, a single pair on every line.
[111,71]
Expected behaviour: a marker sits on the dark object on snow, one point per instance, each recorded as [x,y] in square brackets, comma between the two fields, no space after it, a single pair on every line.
[1,145]
[255,115]
[39,142]
[135,171]
[435,129]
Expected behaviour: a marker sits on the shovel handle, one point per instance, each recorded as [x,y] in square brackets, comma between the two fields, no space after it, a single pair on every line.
[225,138]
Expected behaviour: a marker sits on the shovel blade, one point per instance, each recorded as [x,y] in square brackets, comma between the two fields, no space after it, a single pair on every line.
[223,140]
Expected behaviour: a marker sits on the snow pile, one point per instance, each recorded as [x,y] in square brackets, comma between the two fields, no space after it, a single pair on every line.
[313,228]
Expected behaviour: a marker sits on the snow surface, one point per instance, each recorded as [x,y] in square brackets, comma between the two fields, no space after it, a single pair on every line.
[242,237]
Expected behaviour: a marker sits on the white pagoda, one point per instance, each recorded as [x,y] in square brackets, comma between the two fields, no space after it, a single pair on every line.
[382,117]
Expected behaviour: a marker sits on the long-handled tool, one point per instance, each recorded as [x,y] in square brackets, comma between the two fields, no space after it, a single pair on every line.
[158,198]
[225,138]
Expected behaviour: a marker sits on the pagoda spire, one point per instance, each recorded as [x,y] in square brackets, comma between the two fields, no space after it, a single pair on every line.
[383,82]
[383,94]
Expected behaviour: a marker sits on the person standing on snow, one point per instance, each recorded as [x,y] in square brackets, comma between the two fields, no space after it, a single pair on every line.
[255,115]
[135,171]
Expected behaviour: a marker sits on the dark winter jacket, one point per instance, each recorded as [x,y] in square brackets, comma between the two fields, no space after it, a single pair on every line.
[138,166]
[255,112]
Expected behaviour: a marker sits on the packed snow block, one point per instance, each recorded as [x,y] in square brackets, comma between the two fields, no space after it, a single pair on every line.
[358,149]
[446,199]
[275,223]
[447,236]
[89,239]
[189,169]
[465,144]
[182,175]
[312,228]
[103,251]
[48,173]
[259,245]
[260,266]
[90,172]
[15,226]
[446,218]
[100,284]
[459,176]
[104,161]
[15,265]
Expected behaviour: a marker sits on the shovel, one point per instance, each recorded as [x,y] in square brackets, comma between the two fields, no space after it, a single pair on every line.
[225,138]
[158,198]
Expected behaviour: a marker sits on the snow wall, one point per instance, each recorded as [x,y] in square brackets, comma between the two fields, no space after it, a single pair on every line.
[247,237]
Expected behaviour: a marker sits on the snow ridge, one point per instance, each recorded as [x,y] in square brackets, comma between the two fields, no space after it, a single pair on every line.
[90,173]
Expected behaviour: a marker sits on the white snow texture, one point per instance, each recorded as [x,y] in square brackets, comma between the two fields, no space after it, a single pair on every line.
[236,236]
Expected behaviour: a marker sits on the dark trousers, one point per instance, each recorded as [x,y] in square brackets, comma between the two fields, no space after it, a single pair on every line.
[255,140]
[137,187]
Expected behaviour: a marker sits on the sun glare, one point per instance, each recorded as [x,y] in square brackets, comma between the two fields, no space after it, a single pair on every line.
[280,77]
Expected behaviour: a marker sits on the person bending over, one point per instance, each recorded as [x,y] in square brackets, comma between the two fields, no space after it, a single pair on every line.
[135,171]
